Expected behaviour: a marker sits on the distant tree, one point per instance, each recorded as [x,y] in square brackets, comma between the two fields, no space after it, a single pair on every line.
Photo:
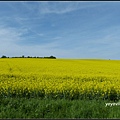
[3,56]
[28,57]
[52,57]
[23,56]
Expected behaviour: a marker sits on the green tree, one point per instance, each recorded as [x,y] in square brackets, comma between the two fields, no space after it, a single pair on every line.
[3,56]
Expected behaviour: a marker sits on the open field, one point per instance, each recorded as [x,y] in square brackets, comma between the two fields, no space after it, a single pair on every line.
[73,81]
[57,78]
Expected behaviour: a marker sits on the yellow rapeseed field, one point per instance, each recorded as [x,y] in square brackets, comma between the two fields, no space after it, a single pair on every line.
[60,78]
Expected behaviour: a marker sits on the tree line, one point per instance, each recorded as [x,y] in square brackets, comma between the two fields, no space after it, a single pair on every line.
[50,57]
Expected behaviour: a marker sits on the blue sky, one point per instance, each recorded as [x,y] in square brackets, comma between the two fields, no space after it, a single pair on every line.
[62,29]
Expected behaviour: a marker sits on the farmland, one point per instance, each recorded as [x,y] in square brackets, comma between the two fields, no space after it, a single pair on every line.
[60,78]
[68,79]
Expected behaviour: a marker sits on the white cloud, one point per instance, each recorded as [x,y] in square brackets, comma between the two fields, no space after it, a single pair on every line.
[8,34]
[9,46]
[57,38]
[58,7]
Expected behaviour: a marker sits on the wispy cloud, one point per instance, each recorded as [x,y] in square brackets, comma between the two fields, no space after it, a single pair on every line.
[8,34]
[10,37]
[62,7]
[57,38]
[57,7]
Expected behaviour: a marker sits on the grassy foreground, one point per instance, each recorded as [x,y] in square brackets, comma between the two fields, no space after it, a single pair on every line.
[37,108]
